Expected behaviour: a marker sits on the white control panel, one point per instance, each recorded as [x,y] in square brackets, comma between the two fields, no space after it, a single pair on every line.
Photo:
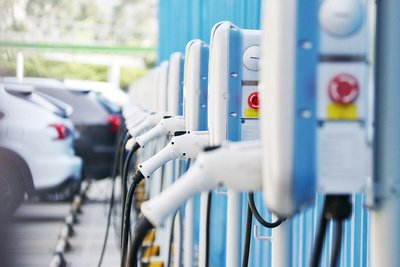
[342,94]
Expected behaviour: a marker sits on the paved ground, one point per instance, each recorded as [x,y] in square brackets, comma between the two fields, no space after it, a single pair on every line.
[34,230]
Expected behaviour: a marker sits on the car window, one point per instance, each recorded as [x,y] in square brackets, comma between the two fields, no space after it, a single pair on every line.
[36,99]
[110,107]
[85,109]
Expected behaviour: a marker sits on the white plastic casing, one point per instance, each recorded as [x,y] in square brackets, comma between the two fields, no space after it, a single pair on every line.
[251,57]
[164,127]
[192,77]
[277,71]
[162,85]
[218,84]
[240,170]
[174,82]
[343,25]
[188,145]
[135,120]
[341,17]
[151,120]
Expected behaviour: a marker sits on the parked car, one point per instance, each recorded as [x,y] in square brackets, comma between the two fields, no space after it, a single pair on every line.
[36,147]
[112,93]
[96,121]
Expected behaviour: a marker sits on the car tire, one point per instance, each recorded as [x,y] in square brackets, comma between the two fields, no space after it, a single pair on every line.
[11,191]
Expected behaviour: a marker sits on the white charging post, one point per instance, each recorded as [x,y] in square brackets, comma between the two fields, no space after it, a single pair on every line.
[175,107]
[184,144]
[314,96]
[232,112]
[195,112]
[342,91]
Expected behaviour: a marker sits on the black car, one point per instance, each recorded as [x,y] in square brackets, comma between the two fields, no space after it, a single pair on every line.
[96,122]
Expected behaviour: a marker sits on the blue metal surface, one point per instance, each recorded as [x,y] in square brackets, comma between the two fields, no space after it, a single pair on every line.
[304,173]
[183,20]
[203,107]
[234,89]
[180,101]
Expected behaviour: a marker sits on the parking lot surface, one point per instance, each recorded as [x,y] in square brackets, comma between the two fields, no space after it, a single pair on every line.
[36,226]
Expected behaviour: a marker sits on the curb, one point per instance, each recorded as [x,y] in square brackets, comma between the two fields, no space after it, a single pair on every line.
[67,230]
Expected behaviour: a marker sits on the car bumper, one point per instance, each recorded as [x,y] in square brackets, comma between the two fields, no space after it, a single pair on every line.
[52,172]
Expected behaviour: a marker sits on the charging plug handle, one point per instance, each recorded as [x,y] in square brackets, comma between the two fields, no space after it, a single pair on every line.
[338,207]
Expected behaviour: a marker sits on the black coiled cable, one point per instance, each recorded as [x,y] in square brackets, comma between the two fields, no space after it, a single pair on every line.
[258,216]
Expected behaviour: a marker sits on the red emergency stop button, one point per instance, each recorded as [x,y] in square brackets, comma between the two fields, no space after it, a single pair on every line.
[252,100]
[343,89]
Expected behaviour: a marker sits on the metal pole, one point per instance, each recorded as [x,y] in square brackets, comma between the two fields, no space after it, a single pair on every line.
[114,72]
[20,67]
[188,234]
[281,245]
[233,229]
[203,230]
[385,219]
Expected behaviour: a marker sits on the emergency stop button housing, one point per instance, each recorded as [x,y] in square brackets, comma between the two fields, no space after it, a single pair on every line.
[343,89]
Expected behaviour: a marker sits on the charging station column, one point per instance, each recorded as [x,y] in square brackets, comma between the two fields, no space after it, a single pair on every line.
[242,121]
[342,90]
[385,217]
[195,112]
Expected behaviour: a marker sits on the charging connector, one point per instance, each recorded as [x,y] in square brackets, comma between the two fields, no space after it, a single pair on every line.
[184,144]
[233,165]
[168,125]
[151,120]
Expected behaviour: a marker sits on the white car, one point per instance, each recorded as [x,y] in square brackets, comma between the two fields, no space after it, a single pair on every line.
[36,152]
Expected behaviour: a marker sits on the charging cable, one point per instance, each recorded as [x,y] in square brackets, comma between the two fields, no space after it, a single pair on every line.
[122,138]
[127,207]
[337,208]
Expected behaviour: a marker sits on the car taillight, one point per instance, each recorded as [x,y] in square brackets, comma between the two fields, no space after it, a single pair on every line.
[114,122]
[62,131]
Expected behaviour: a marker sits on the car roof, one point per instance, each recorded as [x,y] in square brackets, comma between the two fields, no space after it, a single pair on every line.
[29,93]
[112,92]
[35,81]
[18,88]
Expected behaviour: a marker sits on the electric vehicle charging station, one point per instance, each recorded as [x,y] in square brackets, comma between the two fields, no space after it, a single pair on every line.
[233,114]
[195,90]
[314,104]
[186,144]
[197,95]
[318,118]
[160,129]
[169,82]
[174,107]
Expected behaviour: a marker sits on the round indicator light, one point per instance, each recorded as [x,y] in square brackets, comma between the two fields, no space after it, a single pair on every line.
[343,89]
[253,101]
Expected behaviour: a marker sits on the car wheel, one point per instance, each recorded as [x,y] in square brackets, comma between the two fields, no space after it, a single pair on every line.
[11,192]
[66,193]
